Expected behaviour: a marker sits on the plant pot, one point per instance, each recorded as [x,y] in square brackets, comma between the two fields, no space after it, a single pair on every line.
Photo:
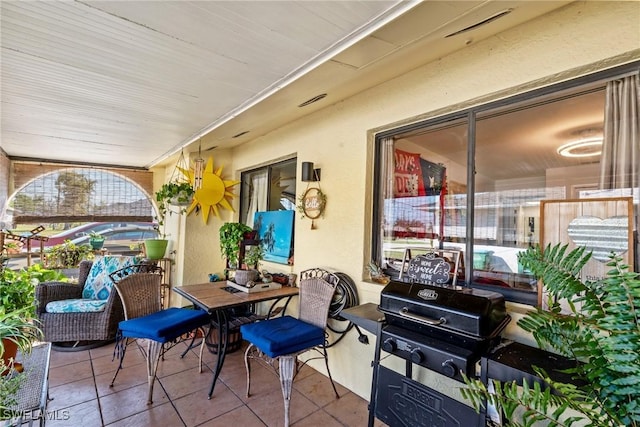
[10,353]
[241,277]
[181,199]
[96,244]
[155,248]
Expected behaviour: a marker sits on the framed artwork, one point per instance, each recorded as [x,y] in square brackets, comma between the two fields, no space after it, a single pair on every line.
[602,225]
[275,231]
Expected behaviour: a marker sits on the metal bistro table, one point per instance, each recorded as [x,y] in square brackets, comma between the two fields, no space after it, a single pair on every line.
[216,300]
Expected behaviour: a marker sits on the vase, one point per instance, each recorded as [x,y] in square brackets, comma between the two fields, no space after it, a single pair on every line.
[96,244]
[9,355]
[155,248]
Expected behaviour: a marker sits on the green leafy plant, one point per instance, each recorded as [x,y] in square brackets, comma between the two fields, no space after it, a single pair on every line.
[19,327]
[10,382]
[97,236]
[601,331]
[17,288]
[231,233]
[67,255]
[12,247]
[173,193]
[253,256]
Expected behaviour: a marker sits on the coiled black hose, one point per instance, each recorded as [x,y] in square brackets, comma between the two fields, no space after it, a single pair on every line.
[345,296]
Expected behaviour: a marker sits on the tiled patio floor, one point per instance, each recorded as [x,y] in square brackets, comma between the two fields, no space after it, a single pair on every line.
[81,396]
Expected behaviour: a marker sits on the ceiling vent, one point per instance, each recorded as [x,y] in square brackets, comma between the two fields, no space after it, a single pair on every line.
[238,135]
[481,23]
[312,100]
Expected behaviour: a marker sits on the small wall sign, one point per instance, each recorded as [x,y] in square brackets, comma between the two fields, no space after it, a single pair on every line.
[428,269]
[311,204]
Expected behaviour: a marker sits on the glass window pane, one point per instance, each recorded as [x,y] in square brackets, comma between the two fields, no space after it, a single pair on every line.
[424,199]
[270,188]
[517,166]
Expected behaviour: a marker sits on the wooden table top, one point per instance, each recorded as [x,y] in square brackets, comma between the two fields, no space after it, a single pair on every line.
[211,296]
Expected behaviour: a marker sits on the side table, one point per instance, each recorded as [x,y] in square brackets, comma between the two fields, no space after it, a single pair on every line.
[34,391]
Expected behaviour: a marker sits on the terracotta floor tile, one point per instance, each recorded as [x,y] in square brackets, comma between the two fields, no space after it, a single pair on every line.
[129,402]
[318,388]
[270,407]
[350,410]
[70,373]
[319,418]
[105,364]
[105,350]
[84,414]
[240,417]
[196,409]
[61,358]
[70,394]
[164,415]
[127,378]
[187,382]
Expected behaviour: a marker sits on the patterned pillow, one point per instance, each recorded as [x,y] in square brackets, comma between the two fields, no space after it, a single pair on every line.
[98,284]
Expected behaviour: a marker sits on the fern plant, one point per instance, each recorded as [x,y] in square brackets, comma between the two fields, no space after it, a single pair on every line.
[601,331]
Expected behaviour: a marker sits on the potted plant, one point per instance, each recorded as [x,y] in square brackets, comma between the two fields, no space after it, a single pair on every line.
[231,233]
[173,193]
[17,332]
[600,330]
[253,256]
[67,256]
[11,248]
[156,248]
[96,240]
[9,386]
[17,309]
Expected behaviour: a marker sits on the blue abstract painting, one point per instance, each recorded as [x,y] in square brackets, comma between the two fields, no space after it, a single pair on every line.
[275,231]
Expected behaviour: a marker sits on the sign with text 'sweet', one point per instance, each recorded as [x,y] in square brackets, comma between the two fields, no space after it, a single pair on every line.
[428,269]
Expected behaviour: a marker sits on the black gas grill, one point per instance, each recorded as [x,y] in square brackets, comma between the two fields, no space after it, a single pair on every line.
[427,323]
[443,329]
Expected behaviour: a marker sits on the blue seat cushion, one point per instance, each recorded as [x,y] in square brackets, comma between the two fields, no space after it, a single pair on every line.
[282,335]
[164,325]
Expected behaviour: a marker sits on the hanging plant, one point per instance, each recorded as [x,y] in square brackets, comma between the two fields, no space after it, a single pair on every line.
[179,194]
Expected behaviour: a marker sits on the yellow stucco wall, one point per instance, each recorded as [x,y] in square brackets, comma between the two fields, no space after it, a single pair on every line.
[576,40]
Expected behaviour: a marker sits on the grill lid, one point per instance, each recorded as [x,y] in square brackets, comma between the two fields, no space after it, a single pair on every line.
[474,313]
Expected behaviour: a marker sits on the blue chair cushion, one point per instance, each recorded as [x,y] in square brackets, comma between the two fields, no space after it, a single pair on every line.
[76,306]
[164,325]
[282,335]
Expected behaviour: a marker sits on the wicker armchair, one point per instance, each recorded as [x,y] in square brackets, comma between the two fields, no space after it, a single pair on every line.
[64,327]
[284,338]
[75,327]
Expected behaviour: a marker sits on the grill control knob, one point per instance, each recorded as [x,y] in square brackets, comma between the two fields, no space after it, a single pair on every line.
[417,356]
[449,368]
[389,345]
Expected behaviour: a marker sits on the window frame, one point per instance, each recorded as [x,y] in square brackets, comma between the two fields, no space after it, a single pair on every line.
[269,168]
[470,114]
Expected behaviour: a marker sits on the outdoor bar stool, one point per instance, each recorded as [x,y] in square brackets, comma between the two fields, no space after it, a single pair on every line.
[146,320]
[284,338]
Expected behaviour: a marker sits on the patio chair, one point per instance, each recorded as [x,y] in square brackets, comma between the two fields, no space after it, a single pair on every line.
[284,338]
[146,320]
[86,311]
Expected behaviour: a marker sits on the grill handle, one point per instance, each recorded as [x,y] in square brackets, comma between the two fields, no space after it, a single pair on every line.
[404,312]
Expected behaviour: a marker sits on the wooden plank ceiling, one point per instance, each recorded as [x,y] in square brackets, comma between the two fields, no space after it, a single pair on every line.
[129,83]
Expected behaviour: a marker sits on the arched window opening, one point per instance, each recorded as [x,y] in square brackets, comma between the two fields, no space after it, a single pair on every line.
[80,195]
